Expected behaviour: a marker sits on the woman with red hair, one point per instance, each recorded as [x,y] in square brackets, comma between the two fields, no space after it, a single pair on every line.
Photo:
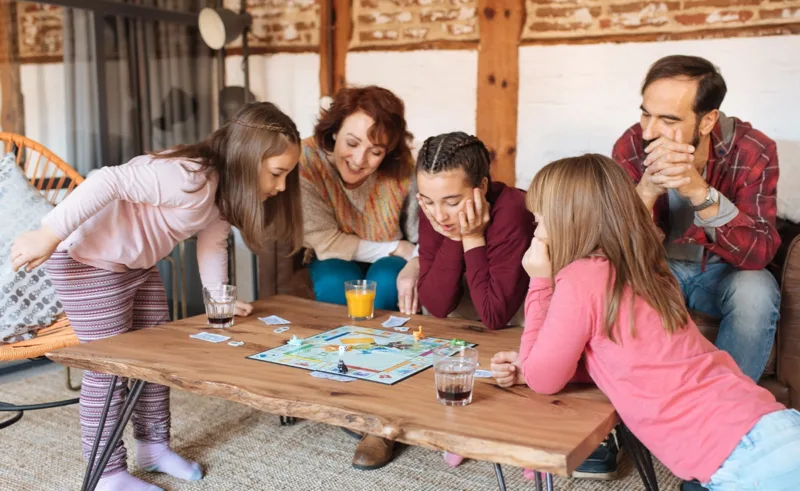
[360,213]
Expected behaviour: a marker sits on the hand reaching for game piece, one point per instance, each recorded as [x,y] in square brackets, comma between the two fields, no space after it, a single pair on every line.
[243,309]
[407,292]
[506,370]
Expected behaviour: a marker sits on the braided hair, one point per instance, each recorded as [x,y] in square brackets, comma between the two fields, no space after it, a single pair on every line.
[455,150]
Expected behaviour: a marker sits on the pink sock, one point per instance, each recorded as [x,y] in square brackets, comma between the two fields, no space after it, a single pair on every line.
[452,459]
[157,457]
[529,474]
[122,481]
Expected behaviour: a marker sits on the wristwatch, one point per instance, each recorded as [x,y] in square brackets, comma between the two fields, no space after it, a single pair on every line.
[712,197]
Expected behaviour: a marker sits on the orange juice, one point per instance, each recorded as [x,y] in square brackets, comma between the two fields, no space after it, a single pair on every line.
[360,303]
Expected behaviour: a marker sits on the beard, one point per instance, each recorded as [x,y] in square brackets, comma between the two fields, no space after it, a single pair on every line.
[695,138]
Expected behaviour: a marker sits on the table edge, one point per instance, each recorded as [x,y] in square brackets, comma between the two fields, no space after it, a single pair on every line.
[554,462]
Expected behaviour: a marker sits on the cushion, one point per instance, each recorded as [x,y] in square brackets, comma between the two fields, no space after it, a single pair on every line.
[27,300]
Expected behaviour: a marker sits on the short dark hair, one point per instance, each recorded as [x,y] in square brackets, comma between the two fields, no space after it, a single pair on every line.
[386,109]
[456,150]
[711,88]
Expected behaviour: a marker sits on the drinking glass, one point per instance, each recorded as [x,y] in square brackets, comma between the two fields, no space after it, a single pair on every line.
[454,371]
[220,303]
[360,295]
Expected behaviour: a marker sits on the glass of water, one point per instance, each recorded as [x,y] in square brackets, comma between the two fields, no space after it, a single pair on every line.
[220,303]
[455,375]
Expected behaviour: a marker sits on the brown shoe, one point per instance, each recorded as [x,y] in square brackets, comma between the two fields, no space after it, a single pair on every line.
[373,452]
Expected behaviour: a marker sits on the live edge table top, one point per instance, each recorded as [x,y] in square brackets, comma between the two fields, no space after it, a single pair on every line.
[507,426]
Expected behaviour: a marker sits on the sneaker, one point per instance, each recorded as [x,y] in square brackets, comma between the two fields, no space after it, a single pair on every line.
[604,462]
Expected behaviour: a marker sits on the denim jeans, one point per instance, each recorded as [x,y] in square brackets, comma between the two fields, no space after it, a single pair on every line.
[328,277]
[766,459]
[748,303]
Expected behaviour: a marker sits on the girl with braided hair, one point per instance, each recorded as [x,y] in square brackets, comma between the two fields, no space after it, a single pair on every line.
[472,234]
[106,237]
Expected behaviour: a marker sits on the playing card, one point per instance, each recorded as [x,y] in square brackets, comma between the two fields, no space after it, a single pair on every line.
[212,338]
[330,376]
[235,343]
[280,330]
[274,320]
[395,321]
[401,329]
[483,374]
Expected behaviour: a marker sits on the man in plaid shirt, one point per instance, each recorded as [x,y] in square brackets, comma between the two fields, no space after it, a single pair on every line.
[710,181]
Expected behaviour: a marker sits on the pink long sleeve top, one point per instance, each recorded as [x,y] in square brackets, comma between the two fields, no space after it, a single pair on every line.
[683,398]
[132,215]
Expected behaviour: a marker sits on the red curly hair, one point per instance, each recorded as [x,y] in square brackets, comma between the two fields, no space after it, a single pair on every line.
[386,109]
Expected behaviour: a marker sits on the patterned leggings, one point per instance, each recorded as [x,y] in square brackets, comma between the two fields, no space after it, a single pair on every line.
[100,304]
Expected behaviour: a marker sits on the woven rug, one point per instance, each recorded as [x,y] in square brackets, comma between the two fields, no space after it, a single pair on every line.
[244,449]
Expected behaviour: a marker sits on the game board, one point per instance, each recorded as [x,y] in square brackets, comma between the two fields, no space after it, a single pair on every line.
[386,357]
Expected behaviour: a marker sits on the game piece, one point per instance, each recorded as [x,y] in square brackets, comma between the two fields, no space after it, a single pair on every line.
[235,343]
[418,334]
[280,330]
[295,341]
[341,367]
[457,342]
[392,354]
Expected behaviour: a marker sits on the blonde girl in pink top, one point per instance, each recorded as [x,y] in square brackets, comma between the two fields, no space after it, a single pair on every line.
[602,302]
[102,242]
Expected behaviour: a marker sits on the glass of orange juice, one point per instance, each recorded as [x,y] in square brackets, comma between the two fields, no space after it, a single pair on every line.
[360,295]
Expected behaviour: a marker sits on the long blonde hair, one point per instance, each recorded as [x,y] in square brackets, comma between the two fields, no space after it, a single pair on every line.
[588,205]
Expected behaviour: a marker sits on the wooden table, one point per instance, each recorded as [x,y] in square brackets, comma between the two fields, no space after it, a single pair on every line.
[552,434]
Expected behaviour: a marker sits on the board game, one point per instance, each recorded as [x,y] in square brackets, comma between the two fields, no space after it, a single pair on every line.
[386,357]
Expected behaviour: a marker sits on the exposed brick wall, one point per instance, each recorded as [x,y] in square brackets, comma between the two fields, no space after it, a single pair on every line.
[281,24]
[572,19]
[278,25]
[39,28]
[378,23]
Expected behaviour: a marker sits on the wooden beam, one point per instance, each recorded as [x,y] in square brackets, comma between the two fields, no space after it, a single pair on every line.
[12,109]
[326,34]
[500,26]
[343,30]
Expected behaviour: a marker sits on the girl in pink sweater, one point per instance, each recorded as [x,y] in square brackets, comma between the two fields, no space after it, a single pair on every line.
[104,240]
[603,302]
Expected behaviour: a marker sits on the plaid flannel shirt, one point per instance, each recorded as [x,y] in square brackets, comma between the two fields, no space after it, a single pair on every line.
[742,166]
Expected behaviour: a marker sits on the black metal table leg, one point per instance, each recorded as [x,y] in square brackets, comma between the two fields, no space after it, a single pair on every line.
[100,426]
[549,480]
[500,479]
[13,419]
[288,421]
[116,433]
[20,409]
[537,480]
[641,458]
